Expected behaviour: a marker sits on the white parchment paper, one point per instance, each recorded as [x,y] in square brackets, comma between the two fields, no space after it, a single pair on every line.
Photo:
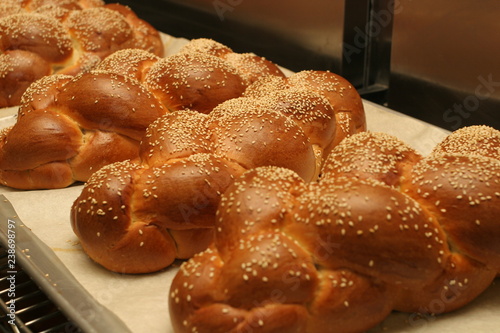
[141,300]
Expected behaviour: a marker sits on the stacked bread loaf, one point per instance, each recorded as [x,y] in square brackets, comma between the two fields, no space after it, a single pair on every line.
[44,37]
[383,229]
[70,126]
[139,217]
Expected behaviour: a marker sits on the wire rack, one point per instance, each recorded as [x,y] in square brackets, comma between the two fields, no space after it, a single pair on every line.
[35,311]
[37,292]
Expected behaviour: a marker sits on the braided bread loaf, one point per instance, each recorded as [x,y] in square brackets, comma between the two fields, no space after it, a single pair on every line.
[69,127]
[349,111]
[383,229]
[139,217]
[44,37]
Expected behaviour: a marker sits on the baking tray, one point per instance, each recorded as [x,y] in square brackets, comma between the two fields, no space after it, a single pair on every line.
[140,302]
[27,253]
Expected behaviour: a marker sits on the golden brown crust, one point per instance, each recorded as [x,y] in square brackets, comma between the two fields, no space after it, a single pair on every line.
[18,69]
[250,67]
[42,93]
[187,159]
[126,211]
[212,135]
[462,280]
[461,191]
[383,230]
[10,7]
[37,34]
[111,102]
[68,37]
[100,148]
[114,103]
[343,97]
[311,112]
[134,63]
[33,5]
[193,81]
[47,134]
[100,240]
[56,174]
[206,46]
[145,36]
[58,125]
[371,155]
[472,140]
[175,136]
[253,135]
[44,141]
[99,30]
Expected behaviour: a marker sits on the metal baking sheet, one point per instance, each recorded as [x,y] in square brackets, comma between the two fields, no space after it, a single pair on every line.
[139,302]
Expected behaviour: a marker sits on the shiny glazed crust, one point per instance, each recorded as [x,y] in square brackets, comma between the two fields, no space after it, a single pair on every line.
[383,229]
[42,37]
[70,126]
[187,159]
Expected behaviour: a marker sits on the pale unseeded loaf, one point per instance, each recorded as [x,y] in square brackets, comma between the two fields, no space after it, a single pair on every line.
[383,229]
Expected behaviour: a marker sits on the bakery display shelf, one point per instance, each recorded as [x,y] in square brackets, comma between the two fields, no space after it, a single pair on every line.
[94,299]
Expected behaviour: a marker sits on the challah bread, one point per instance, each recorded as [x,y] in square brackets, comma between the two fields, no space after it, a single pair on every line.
[9,7]
[172,81]
[343,97]
[39,38]
[221,74]
[134,63]
[17,69]
[187,160]
[106,112]
[42,93]
[65,135]
[310,111]
[144,35]
[384,229]
[383,157]
[206,46]
[250,67]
